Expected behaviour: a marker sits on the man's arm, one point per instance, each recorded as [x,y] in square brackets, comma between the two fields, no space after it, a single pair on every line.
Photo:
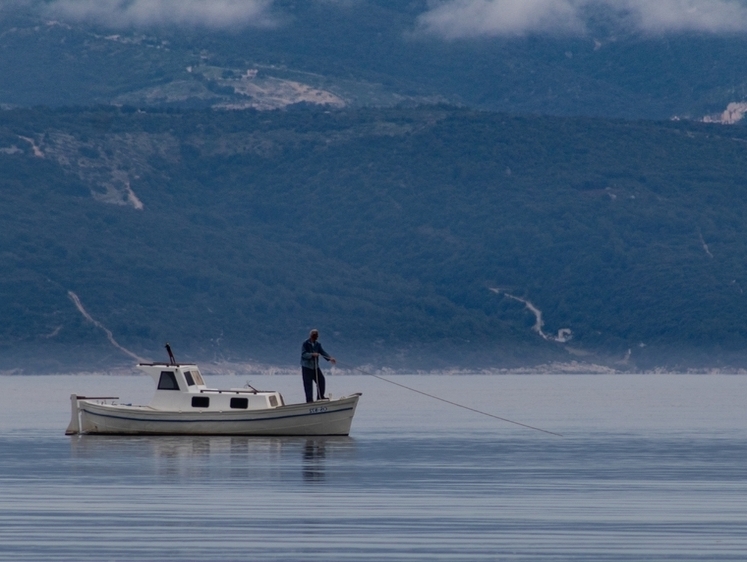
[326,355]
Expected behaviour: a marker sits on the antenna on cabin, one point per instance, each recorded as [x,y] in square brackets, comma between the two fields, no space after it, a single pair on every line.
[172,361]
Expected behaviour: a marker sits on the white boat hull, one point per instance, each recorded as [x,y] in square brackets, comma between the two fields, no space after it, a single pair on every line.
[326,417]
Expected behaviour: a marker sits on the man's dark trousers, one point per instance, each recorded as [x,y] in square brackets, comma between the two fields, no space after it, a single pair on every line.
[309,377]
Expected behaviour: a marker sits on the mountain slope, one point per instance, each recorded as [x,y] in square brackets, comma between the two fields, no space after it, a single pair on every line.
[367,53]
[417,237]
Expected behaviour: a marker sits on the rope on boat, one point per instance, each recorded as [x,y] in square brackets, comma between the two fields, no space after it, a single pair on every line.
[453,403]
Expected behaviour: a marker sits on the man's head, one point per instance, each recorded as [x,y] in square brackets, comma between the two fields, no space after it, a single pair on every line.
[314,335]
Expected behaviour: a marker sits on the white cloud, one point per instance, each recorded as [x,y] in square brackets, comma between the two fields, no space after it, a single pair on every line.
[465,18]
[144,13]
[474,18]
[713,16]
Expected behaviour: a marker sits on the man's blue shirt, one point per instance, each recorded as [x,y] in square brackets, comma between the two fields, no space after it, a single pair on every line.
[307,349]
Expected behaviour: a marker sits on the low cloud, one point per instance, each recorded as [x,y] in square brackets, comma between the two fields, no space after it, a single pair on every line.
[145,13]
[454,19]
[465,18]
[713,16]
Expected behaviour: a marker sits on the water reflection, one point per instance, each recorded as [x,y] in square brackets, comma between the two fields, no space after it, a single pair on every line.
[313,460]
[176,446]
[210,457]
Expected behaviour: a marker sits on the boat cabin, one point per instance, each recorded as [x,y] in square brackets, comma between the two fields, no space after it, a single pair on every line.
[181,387]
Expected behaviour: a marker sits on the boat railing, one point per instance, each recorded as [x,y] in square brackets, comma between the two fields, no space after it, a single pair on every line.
[172,365]
[232,391]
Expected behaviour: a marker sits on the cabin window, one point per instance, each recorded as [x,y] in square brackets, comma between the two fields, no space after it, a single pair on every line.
[273,401]
[242,403]
[190,380]
[168,381]
[198,378]
[200,401]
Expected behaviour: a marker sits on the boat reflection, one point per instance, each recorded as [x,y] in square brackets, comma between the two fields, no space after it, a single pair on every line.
[263,459]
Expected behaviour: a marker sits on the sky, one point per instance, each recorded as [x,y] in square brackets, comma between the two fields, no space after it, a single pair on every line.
[447,19]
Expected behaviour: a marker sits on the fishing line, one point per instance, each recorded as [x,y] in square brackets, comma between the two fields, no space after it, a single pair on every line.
[452,403]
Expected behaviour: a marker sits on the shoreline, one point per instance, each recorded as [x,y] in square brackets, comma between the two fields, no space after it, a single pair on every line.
[249,368]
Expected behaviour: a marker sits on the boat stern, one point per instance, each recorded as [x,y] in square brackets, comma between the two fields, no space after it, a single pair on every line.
[74,427]
[77,425]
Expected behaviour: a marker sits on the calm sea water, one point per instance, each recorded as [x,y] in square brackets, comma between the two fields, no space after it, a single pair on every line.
[649,468]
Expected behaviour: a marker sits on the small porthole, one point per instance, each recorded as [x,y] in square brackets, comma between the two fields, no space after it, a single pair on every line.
[242,403]
[200,402]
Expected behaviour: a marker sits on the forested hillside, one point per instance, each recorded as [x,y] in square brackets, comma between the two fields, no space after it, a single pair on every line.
[409,237]
[370,53]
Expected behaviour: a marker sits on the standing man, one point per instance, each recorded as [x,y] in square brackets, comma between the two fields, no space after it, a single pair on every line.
[310,352]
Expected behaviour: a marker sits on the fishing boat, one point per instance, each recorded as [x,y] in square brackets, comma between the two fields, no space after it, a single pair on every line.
[184,405]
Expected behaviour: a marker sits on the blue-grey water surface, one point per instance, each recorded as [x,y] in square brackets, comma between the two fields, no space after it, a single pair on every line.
[649,468]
